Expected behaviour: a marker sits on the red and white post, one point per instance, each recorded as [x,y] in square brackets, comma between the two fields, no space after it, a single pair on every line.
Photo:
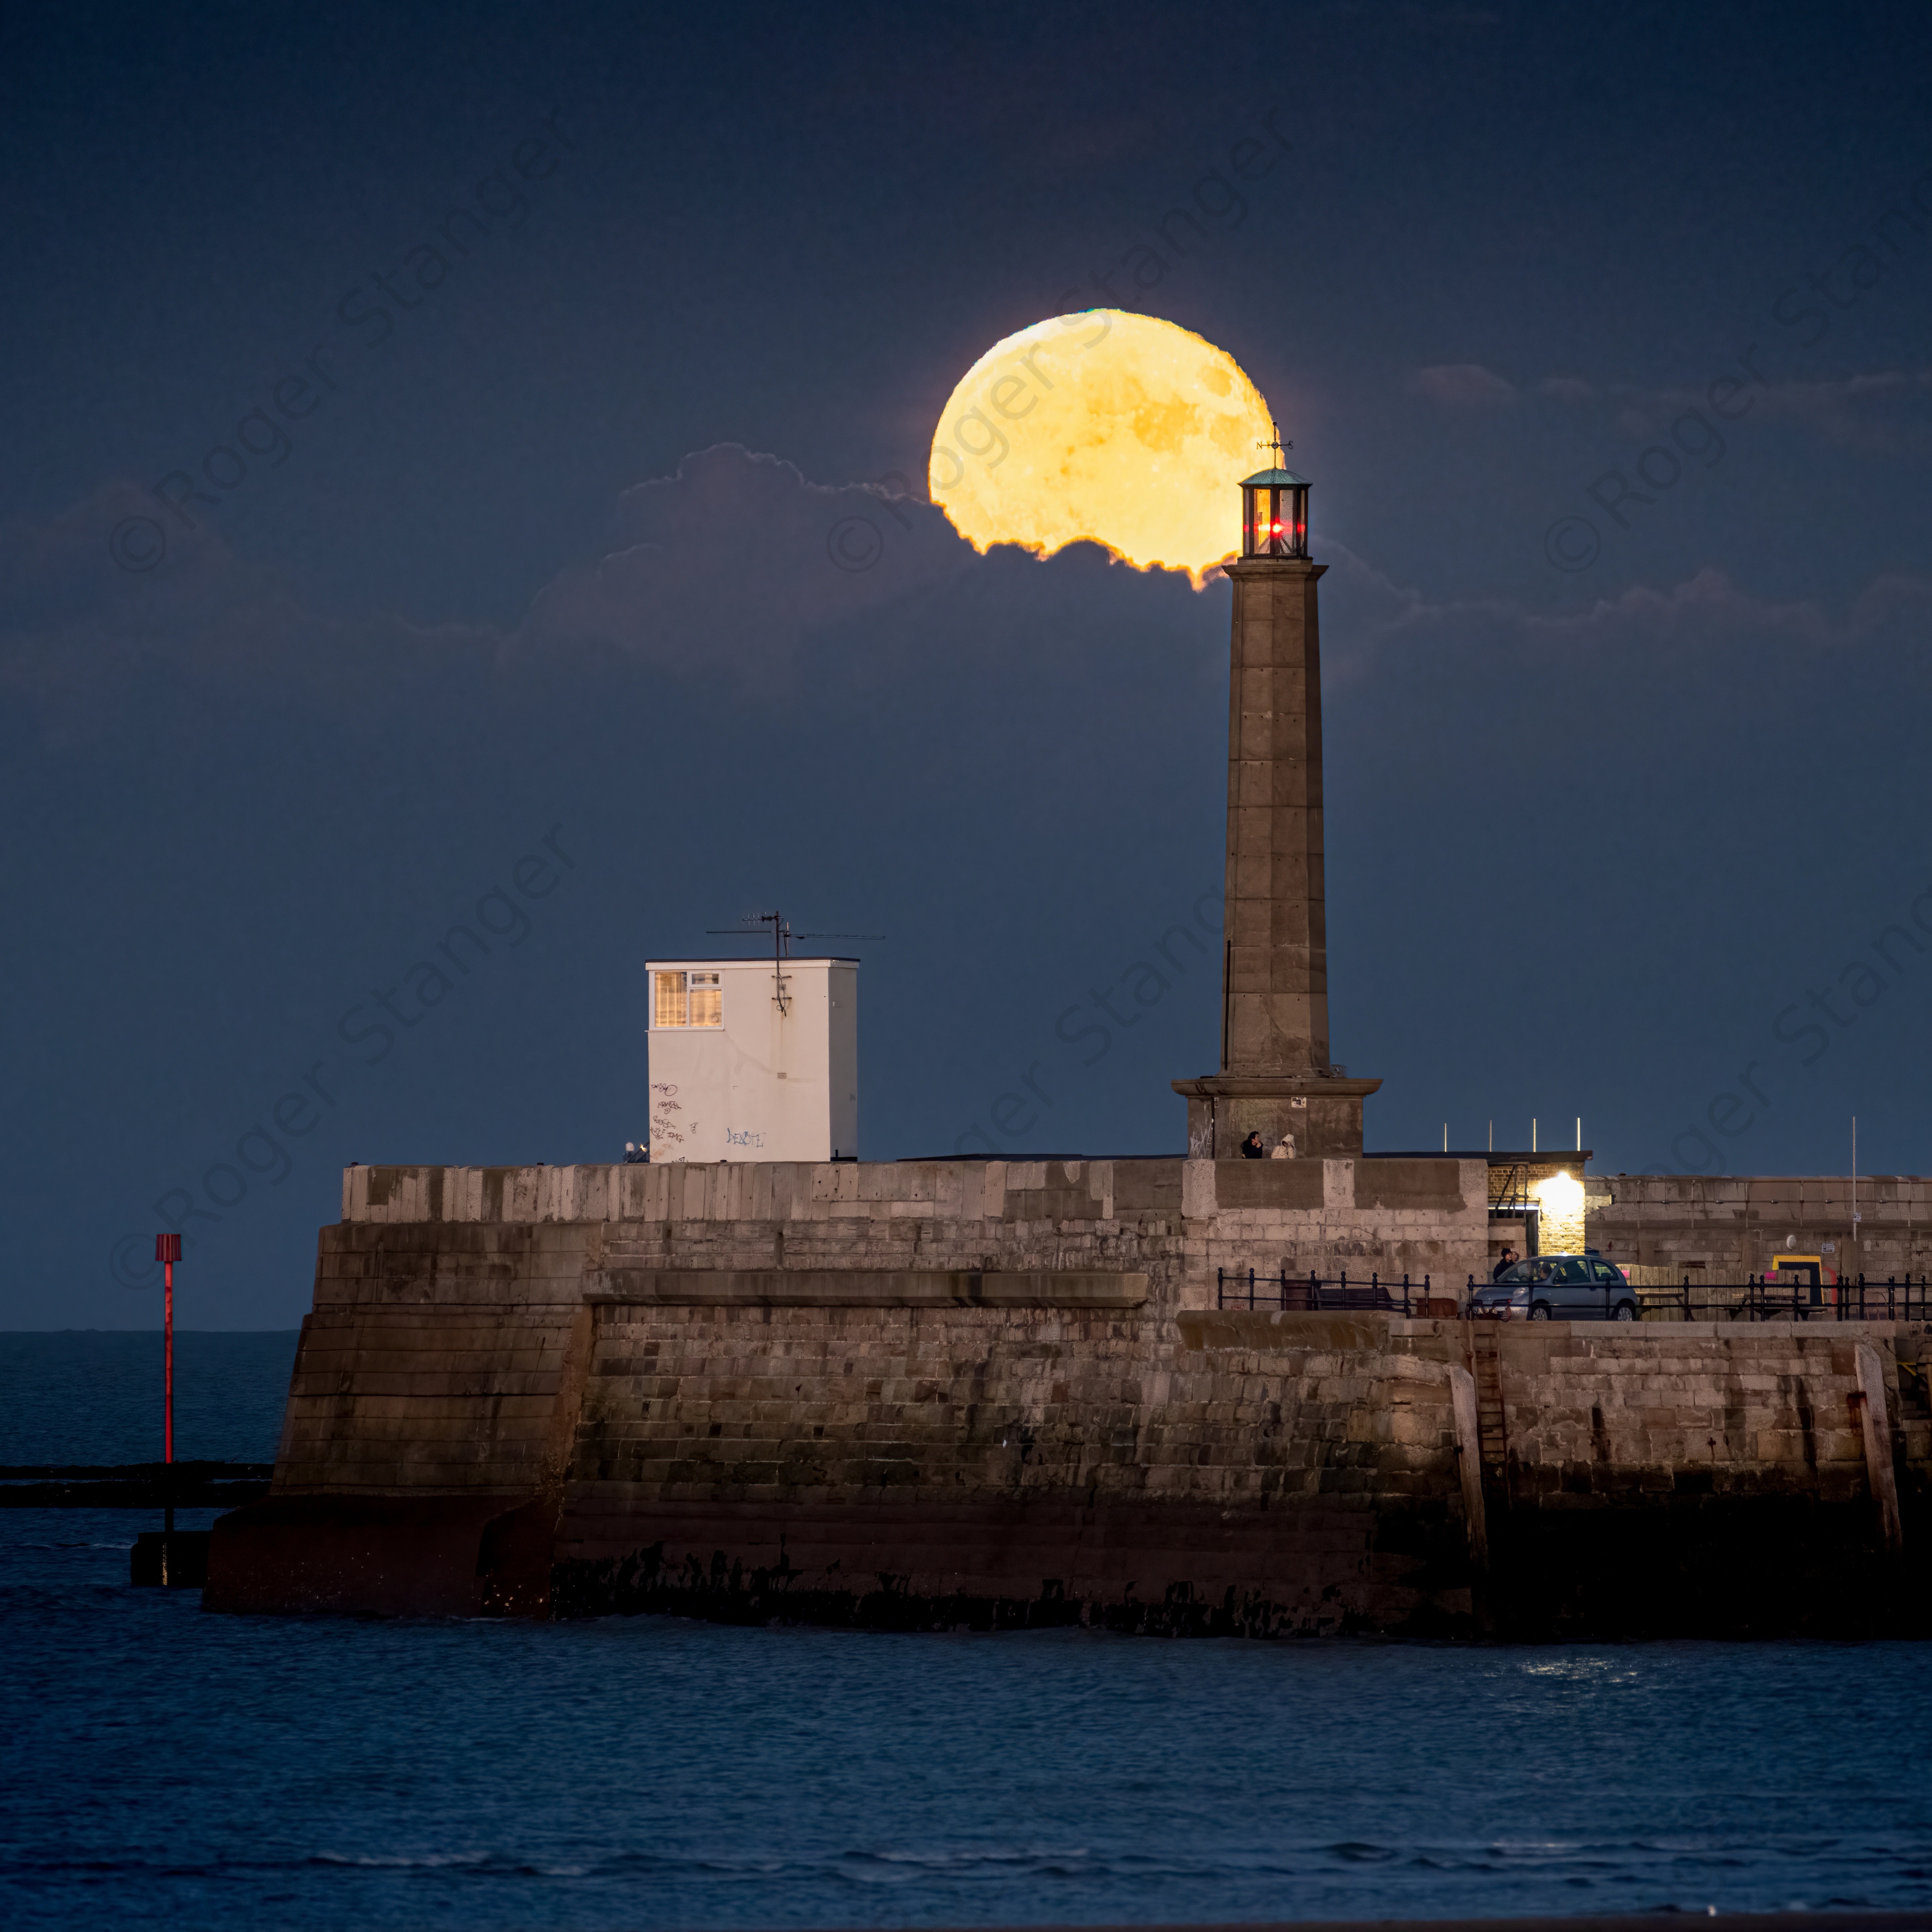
[167,1252]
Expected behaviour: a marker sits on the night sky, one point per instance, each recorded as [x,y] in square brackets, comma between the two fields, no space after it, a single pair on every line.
[342,567]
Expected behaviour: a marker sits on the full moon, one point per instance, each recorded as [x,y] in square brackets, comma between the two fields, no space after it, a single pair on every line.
[1105,427]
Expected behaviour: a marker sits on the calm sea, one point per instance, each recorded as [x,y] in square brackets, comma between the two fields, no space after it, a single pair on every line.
[159,1765]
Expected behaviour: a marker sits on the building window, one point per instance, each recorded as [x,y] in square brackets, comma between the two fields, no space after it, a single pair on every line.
[707,999]
[671,1007]
[688,1000]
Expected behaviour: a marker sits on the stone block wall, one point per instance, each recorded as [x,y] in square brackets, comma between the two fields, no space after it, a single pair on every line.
[452,1396]
[1178,1221]
[1598,1411]
[990,1393]
[1726,1227]
[1240,1470]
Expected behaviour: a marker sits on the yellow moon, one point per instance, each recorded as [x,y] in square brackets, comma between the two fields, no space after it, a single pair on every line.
[1106,426]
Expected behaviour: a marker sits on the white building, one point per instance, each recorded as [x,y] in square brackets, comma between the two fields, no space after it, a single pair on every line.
[754,1060]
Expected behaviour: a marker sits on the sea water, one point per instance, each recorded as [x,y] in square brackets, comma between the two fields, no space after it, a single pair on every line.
[159,1765]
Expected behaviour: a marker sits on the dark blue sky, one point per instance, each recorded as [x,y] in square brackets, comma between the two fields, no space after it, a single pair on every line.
[527,537]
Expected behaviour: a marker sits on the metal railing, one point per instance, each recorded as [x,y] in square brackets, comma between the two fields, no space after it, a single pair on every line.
[1756,1299]
[1310,1294]
[1510,1193]
[1759,1299]
[1895,1299]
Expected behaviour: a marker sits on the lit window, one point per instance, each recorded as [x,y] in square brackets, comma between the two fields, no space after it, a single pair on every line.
[670,1000]
[707,999]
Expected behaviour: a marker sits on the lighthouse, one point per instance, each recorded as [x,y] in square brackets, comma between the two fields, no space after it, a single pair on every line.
[1276,1078]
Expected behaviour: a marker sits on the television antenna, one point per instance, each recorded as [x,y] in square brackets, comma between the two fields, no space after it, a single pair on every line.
[782,937]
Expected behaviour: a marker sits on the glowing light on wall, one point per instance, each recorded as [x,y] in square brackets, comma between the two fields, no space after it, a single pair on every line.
[1560,1201]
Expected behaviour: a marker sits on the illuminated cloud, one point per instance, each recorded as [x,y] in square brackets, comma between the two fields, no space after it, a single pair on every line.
[732,563]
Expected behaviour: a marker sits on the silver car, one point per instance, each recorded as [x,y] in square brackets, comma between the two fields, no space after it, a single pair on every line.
[1557,1288]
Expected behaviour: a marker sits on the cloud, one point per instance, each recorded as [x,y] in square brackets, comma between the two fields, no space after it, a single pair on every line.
[735,561]
[83,641]
[1462,385]
[738,569]
[1371,625]
[1888,412]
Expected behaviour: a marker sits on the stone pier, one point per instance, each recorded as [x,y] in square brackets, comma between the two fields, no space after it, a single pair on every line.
[981,1394]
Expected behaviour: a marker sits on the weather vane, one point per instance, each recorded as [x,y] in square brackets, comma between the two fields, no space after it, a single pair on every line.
[1278,446]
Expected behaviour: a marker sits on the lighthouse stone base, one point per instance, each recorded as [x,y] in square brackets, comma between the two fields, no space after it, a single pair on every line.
[1321,1118]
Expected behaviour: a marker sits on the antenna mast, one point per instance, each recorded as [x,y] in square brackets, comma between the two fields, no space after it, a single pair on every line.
[781,946]
[782,937]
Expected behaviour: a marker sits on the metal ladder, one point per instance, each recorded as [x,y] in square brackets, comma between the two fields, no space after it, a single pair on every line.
[1492,1426]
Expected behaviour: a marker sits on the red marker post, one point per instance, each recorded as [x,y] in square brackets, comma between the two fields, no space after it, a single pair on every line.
[167,1252]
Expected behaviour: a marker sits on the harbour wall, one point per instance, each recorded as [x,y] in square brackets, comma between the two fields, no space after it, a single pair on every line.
[1179,1221]
[764,1393]
[1729,1228]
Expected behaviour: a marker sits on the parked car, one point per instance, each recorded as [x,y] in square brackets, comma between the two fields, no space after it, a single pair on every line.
[1558,1288]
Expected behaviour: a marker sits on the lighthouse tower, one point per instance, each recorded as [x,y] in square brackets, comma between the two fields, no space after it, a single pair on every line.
[1276,1078]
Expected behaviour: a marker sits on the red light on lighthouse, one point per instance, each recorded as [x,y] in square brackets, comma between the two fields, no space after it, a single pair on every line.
[1274,511]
